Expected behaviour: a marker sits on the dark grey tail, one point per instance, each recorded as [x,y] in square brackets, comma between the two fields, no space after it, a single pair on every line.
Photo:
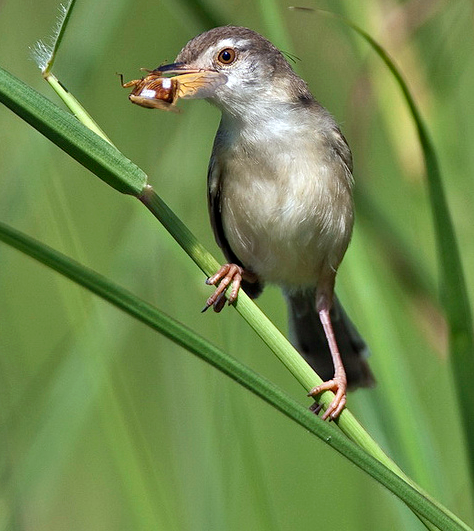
[307,335]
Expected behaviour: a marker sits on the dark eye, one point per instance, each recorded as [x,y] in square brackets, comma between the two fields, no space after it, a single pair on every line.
[226,56]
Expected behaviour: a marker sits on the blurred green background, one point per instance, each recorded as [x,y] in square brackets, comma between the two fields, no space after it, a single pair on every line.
[104,425]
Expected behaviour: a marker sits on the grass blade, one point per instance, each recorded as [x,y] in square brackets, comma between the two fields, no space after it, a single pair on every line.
[186,338]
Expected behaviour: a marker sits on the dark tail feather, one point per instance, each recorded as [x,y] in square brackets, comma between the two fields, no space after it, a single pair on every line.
[307,335]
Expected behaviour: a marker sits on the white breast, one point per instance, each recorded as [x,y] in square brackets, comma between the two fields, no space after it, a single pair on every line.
[286,206]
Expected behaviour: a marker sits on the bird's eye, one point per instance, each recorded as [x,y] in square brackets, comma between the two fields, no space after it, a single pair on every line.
[226,56]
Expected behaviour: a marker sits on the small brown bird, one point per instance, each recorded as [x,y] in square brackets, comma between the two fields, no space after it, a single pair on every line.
[280,196]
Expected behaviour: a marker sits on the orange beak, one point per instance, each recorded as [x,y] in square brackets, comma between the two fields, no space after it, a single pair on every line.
[193,82]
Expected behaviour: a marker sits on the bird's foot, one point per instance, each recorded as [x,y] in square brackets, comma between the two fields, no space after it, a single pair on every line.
[338,385]
[227,274]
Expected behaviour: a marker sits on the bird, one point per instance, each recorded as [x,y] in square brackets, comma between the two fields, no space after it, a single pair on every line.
[279,195]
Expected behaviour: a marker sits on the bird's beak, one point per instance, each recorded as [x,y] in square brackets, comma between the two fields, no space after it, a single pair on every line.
[192,82]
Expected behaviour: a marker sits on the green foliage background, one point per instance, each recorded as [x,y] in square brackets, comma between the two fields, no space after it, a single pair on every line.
[106,425]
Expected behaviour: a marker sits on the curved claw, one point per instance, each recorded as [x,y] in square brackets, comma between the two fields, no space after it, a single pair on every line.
[338,386]
[227,274]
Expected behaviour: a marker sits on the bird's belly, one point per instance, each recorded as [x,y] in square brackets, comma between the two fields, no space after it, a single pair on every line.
[286,234]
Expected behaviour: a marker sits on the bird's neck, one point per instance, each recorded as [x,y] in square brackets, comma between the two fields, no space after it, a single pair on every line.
[260,121]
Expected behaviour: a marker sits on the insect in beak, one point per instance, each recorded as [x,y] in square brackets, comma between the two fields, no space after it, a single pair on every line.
[155,91]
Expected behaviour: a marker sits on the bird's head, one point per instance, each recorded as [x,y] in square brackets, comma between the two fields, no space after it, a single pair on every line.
[241,70]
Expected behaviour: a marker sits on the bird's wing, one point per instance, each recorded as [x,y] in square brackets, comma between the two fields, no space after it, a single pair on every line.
[342,149]
[252,287]
[214,182]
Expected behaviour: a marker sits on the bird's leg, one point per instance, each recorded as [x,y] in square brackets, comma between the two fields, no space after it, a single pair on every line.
[338,384]
[227,274]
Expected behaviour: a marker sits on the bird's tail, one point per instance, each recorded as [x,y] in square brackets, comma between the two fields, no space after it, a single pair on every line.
[307,335]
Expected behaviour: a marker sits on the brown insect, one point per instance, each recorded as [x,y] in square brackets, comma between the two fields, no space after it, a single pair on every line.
[157,92]
[153,91]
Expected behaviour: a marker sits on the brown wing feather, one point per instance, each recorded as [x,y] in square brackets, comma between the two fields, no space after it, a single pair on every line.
[214,180]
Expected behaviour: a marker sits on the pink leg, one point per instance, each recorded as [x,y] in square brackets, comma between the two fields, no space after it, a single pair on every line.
[339,382]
